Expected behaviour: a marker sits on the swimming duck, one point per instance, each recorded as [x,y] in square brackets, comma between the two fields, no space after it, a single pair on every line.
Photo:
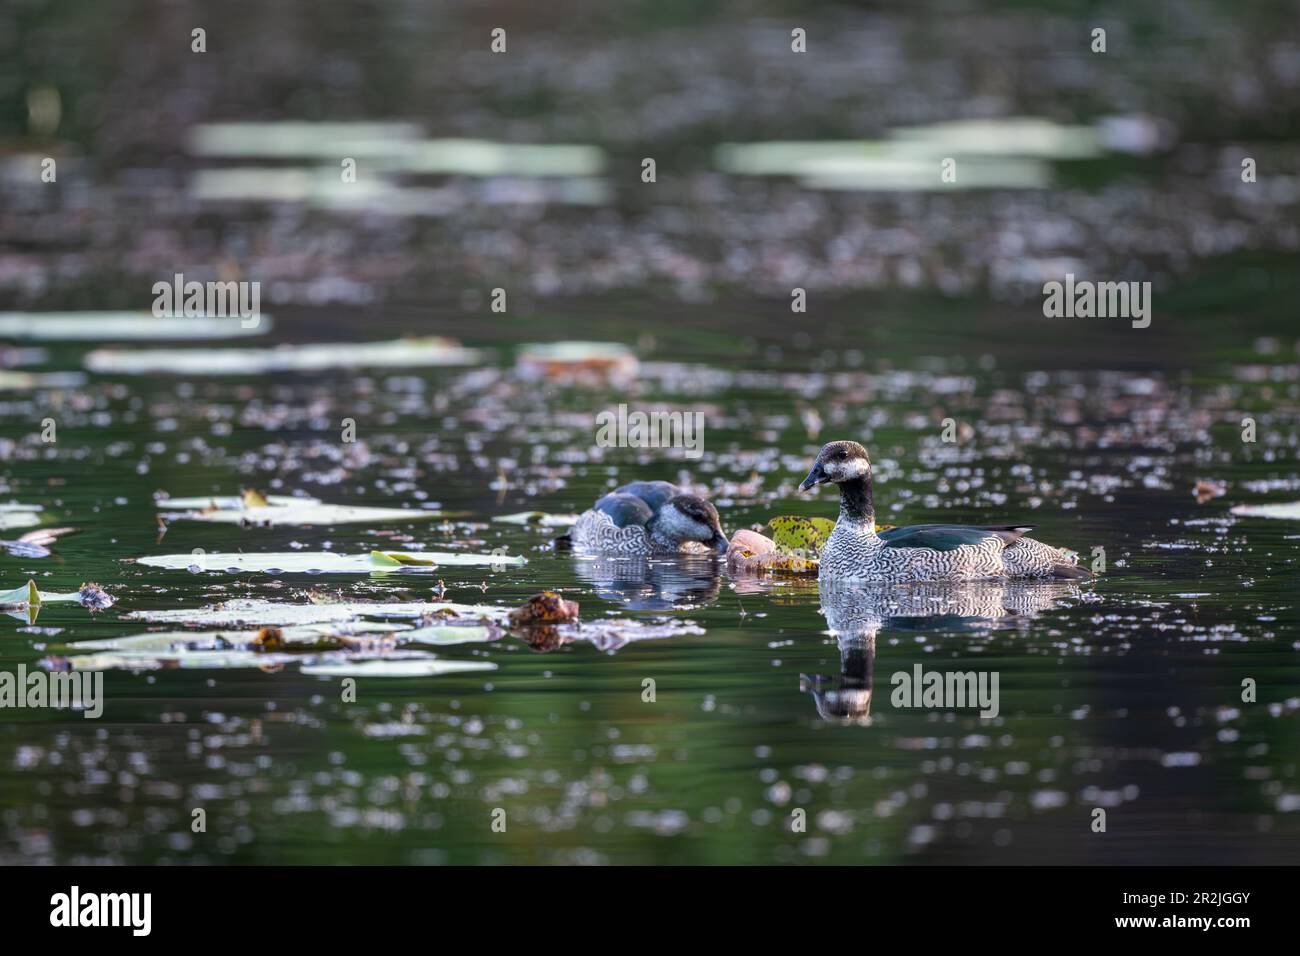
[923,552]
[649,518]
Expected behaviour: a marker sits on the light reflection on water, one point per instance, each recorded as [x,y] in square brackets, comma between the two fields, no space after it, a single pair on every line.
[1124,694]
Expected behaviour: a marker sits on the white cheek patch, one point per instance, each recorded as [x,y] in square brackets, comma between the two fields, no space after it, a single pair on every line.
[676,524]
[848,470]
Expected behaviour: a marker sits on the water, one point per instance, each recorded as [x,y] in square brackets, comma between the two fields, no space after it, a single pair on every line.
[1123,694]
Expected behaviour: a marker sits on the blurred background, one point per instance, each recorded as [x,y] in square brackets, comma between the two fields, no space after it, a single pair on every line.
[522,170]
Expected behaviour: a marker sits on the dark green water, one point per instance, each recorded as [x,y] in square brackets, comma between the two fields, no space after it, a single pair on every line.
[1124,694]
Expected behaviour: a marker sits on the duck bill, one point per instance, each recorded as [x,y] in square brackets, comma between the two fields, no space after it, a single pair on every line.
[815,477]
[720,542]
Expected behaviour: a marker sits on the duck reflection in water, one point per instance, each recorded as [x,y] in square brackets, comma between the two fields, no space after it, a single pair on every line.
[856,615]
[653,584]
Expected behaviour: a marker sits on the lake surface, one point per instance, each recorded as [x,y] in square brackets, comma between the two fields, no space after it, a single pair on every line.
[773,736]
[1122,694]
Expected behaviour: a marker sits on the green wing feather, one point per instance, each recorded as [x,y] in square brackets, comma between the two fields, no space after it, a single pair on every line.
[947,537]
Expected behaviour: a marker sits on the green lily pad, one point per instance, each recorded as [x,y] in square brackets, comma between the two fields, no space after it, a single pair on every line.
[794,534]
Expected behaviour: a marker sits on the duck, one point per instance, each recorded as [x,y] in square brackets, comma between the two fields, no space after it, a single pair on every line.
[856,551]
[649,518]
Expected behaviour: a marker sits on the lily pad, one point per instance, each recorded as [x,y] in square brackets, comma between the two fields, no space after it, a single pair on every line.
[299,636]
[325,562]
[299,512]
[15,515]
[91,595]
[446,635]
[122,326]
[1288,510]
[794,534]
[146,660]
[409,353]
[11,381]
[395,668]
[538,519]
[258,613]
[231,502]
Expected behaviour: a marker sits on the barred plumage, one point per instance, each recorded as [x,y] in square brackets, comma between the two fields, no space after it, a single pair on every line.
[648,518]
[855,551]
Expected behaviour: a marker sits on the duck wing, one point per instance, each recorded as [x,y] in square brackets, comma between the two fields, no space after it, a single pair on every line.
[654,493]
[950,537]
[624,510]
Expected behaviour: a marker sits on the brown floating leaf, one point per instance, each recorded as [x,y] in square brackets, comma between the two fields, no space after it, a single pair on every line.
[751,553]
[254,499]
[1205,490]
[545,608]
[268,639]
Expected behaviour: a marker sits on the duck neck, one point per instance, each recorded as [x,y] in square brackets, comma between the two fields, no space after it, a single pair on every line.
[856,505]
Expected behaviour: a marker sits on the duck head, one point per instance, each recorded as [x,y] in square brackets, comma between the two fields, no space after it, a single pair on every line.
[838,462]
[686,518]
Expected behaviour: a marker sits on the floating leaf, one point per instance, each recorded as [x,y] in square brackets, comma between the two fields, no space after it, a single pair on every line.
[15,515]
[794,534]
[538,519]
[397,668]
[259,613]
[231,502]
[292,638]
[24,596]
[27,381]
[166,660]
[444,635]
[298,511]
[1289,510]
[401,559]
[545,608]
[417,352]
[276,562]
[252,498]
[121,326]
[91,595]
